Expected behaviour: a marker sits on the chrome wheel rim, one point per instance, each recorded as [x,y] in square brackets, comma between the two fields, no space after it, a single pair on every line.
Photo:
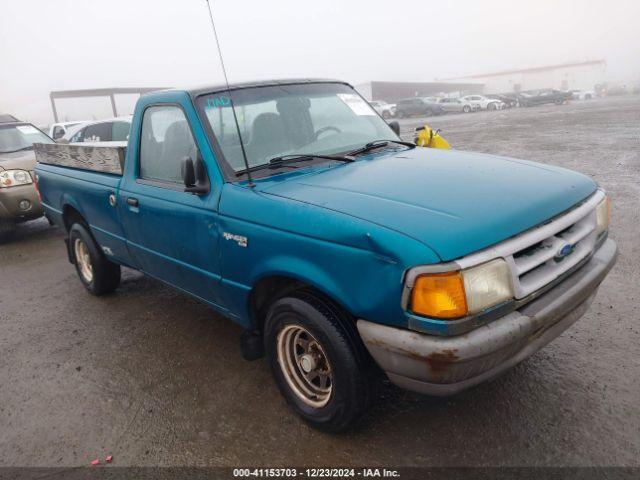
[83,259]
[305,366]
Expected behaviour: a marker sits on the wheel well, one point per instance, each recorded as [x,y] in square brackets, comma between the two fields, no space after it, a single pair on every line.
[269,289]
[70,216]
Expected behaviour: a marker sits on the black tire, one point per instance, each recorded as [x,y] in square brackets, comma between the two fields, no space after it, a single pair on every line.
[428,112]
[348,361]
[400,114]
[466,109]
[492,106]
[559,101]
[105,275]
[386,114]
[7,229]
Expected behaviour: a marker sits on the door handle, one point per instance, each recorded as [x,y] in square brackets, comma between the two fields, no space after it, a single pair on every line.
[132,201]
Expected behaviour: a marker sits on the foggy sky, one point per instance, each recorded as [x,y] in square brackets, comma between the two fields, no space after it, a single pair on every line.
[67,44]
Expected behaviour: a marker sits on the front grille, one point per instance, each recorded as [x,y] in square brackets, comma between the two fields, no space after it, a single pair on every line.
[542,254]
[535,266]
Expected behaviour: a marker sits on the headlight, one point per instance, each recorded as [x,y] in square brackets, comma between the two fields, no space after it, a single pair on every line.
[487,285]
[460,293]
[11,178]
[603,215]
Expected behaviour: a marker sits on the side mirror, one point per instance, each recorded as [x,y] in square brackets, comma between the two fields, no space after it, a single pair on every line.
[188,172]
[395,126]
[194,176]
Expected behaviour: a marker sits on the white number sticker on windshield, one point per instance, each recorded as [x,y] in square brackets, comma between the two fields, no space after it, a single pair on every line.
[27,129]
[356,104]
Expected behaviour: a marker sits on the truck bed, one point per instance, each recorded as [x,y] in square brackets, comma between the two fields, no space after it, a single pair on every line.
[90,194]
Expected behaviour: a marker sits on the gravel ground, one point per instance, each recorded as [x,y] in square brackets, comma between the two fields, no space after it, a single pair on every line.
[152,377]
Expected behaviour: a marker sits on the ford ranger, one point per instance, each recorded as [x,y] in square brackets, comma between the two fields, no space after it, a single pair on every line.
[294,209]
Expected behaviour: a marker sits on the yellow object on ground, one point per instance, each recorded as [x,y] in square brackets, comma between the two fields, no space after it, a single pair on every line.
[426,137]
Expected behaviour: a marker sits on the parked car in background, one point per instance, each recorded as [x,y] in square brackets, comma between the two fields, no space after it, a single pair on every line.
[455,105]
[408,107]
[480,102]
[334,243]
[19,200]
[510,99]
[101,131]
[583,94]
[386,110]
[58,130]
[541,97]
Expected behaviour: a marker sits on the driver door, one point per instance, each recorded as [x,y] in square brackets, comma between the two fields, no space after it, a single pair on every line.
[173,235]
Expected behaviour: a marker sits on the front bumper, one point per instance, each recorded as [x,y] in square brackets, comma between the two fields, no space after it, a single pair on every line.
[10,199]
[447,365]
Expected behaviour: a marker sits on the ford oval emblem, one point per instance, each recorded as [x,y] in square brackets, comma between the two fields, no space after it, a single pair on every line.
[564,251]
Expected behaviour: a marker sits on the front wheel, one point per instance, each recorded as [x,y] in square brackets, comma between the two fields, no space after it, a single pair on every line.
[318,361]
[466,109]
[96,273]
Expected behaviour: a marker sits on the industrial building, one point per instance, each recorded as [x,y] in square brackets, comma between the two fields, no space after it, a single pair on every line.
[394,91]
[566,76]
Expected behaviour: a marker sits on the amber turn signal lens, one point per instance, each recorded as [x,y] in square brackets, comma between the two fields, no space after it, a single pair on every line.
[439,295]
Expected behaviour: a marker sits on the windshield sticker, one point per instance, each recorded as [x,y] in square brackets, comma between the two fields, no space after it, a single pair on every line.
[27,129]
[356,104]
[218,102]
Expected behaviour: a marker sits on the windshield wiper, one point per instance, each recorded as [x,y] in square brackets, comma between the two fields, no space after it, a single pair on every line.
[301,157]
[378,144]
[295,158]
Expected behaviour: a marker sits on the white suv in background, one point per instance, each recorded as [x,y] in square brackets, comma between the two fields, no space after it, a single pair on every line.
[58,130]
[110,131]
[386,110]
[480,102]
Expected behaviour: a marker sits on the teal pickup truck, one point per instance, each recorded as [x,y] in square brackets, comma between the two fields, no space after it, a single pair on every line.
[294,209]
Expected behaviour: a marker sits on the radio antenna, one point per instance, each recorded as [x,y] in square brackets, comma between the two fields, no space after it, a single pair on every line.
[233,108]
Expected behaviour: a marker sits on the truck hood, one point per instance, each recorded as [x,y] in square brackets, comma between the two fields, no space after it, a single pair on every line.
[455,202]
[23,160]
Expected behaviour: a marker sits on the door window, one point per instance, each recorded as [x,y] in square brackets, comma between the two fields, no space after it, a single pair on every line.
[120,131]
[100,132]
[58,132]
[165,141]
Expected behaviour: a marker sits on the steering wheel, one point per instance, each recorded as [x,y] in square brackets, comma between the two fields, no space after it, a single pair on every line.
[328,128]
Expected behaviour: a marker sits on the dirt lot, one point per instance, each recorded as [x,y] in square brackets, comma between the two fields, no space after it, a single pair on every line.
[155,378]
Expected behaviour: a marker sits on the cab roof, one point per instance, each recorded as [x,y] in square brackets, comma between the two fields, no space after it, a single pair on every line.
[203,90]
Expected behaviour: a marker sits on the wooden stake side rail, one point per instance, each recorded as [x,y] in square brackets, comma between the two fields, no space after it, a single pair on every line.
[95,158]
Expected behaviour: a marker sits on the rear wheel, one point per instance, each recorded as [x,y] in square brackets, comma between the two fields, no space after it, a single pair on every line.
[559,101]
[318,361]
[96,273]
[492,106]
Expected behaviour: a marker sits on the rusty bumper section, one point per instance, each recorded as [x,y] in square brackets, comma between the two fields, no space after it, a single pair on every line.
[447,365]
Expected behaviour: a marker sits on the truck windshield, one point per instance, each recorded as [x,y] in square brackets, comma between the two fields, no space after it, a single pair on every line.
[14,138]
[275,121]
